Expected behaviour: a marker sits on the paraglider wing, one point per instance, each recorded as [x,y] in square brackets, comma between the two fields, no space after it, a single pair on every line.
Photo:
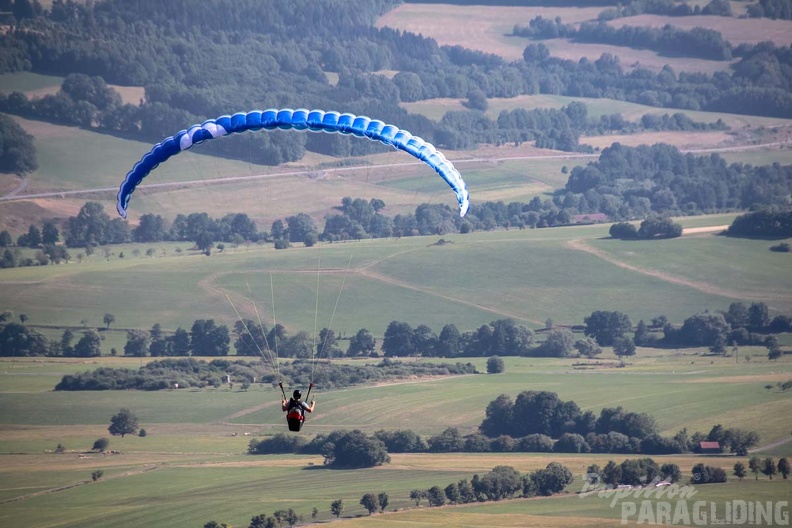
[288,119]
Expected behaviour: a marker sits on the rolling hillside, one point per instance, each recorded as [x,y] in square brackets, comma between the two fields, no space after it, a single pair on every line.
[192,465]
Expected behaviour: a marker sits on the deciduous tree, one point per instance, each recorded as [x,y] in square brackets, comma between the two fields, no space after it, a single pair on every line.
[436,496]
[137,344]
[123,423]
[624,346]
[588,347]
[739,470]
[89,345]
[495,365]
[755,465]
[605,326]
[361,344]
[783,467]
[337,507]
[383,500]
[369,501]
[354,449]
[769,467]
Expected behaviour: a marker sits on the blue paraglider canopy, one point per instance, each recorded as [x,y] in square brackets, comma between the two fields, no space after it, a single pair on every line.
[288,119]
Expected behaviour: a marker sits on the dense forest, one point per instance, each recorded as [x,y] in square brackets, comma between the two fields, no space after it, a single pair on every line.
[668,181]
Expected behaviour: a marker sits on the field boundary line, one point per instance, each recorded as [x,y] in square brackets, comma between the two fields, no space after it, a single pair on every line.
[704,287]
[390,280]
[77,484]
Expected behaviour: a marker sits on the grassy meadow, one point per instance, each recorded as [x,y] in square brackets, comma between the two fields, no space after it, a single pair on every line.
[563,274]
[190,469]
[568,511]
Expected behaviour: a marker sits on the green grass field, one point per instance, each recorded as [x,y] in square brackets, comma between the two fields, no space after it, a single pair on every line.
[27,82]
[190,469]
[573,511]
[563,274]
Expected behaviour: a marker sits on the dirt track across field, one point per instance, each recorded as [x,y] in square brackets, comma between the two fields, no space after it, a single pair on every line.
[706,287]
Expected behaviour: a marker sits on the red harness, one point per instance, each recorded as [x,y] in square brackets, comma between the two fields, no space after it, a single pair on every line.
[295,418]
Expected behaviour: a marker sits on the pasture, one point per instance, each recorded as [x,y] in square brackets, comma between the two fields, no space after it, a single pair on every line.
[561,273]
[190,469]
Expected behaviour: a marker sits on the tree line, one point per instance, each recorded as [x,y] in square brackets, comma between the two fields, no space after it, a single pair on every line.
[762,223]
[636,181]
[341,448]
[542,416]
[184,373]
[766,466]
[502,482]
[665,7]
[505,482]
[651,228]
[45,241]
[742,324]
[537,421]
[770,9]
[355,449]
[669,40]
